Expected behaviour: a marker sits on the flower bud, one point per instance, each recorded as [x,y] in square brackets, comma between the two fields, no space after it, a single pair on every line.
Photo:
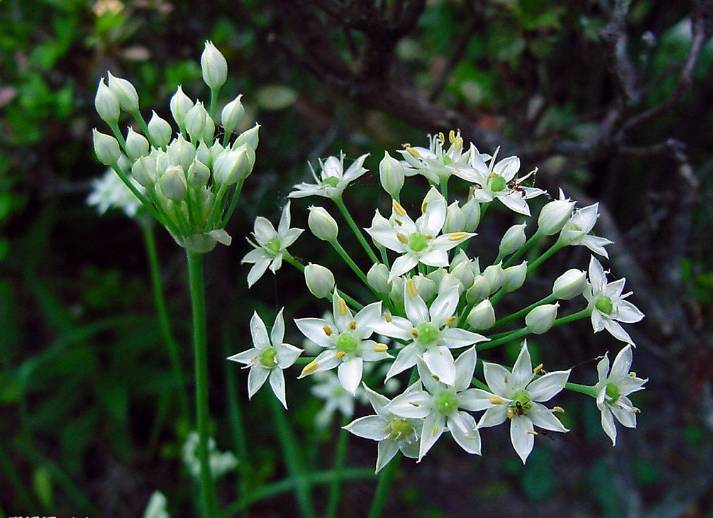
[471,210]
[180,106]
[554,215]
[391,174]
[106,148]
[249,161]
[514,277]
[448,282]
[513,239]
[479,290]
[571,233]
[181,152]
[455,219]
[203,154]
[136,145]
[198,174]
[231,114]
[378,277]
[464,272]
[397,291]
[196,121]
[249,137]
[540,319]
[208,130]
[159,130]
[125,93]
[144,170]
[106,104]
[214,66]
[124,163]
[319,280]
[426,287]
[173,183]
[494,275]
[322,225]
[482,316]
[228,165]
[215,151]
[570,284]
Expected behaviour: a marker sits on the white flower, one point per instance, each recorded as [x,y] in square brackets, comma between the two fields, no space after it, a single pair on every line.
[612,390]
[332,180]
[335,396]
[346,340]
[270,245]
[576,231]
[156,508]
[607,303]
[441,406]
[437,163]
[220,462]
[393,432]
[110,192]
[498,181]
[516,396]
[417,241]
[428,333]
[268,357]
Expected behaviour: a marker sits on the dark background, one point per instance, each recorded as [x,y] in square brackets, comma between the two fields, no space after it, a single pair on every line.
[610,99]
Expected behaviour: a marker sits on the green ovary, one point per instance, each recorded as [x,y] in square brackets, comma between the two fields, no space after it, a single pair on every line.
[347,343]
[520,402]
[268,357]
[273,246]
[428,334]
[399,427]
[446,402]
[613,391]
[497,183]
[604,305]
[418,242]
[332,181]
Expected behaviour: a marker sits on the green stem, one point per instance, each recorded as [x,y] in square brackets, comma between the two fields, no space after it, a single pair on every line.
[233,202]
[301,267]
[384,256]
[197,289]
[291,451]
[556,247]
[130,185]
[347,259]
[336,487]
[213,102]
[579,315]
[582,389]
[524,248]
[164,321]
[524,311]
[339,202]
[444,188]
[118,135]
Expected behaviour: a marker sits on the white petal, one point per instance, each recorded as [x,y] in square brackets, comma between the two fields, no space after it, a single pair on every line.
[544,418]
[257,271]
[439,361]
[325,361]
[507,167]
[378,401]
[628,313]
[386,451]
[276,263]
[290,237]
[277,382]
[522,436]
[416,309]
[608,424]
[428,379]
[313,329]
[443,307]
[256,378]
[497,377]
[259,332]
[597,321]
[448,242]
[340,311]
[465,432]
[277,334]
[253,256]
[367,318]
[522,370]
[435,257]
[545,388]
[284,224]
[474,400]
[596,244]
[603,368]
[386,236]
[414,404]
[356,169]
[287,355]
[465,367]
[372,427]
[430,432]
[617,331]
[264,231]
[453,338]
[622,363]
[245,357]
[398,328]
[586,217]
[402,264]
[350,373]
[404,360]
[596,275]
[516,203]
[493,416]
[431,222]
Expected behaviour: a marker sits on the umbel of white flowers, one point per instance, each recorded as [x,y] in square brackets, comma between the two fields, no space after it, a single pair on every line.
[189,177]
[428,306]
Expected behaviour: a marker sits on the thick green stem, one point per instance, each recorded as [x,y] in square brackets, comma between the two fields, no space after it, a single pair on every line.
[164,322]
[347,259]
[556,247]
[335,489]
[233,202]
[213,102]
[524,311]
[444,188]
[339,202]
[582,389]
[200,346]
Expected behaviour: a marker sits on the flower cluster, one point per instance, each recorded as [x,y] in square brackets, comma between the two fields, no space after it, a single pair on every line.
[434,310]
[188,179]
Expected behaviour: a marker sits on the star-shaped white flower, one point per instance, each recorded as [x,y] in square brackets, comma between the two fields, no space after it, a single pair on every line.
[516,396]
[346,340]
[109,191]
[442,406]
[436,163]
[393,432]
[268,357]
[417,241]
[612,390]
[328,388]
[332,180]
[576,231]
[429,333]
[270,245]
[498,181]
[607,303]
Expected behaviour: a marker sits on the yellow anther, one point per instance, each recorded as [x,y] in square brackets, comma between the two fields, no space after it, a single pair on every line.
[414,332]
[436,377]
[402,238]
[450,321]
[405,145]
[411,287]
[434,431]
[398,208]
[310,368]
[456,236]
[424,207]
[632,374]
[387,317]
[537,369]
[636,410]
[352,325]
[327,330]
[342,306]
[412,151]
[558,409]
[381,348]
[532,432]
[496,400]
[510,414]
[441,136]
[398,222]
[470,437]
[340,355]
[451,136]
[458,142]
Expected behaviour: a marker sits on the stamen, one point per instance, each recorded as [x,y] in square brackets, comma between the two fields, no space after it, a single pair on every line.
[424,207]
[310,368]
[558,409]
[451,136]
[537,369]
[342,307]
[456,236]
[387,317]
[381,348]
[327,330]
[398,208]
[496,400]
[450,321]
[412,151]
[352,325]
[411,287]
[533,432]
[402,238]
[414,332]
[340,355]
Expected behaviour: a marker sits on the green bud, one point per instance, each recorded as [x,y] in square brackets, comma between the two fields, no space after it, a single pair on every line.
[554,215]
[125,93]
[322,224]
[160,130]
[213,66]
[570,284]
[513,239]
[180,106]
[494,276]
[136,145]
[181,152]
[482,316]
[319,280]
[540,319]
[196,121]
[514,277]
[228,165]
[231,114]
[198,174]
[471,210]
[455,219]
[378,277]
[106,148]
[249,137]
[391,174]
[106,104]
[173,183]
[144,170]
